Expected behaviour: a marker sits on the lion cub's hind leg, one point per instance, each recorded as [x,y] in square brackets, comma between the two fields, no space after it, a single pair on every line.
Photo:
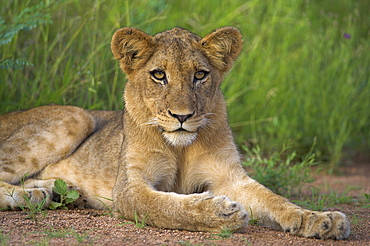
[14,197]
[32,139]
[34,191]
[48,184]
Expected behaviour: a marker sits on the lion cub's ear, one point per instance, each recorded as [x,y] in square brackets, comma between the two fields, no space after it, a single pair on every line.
[131,47]
[222,47]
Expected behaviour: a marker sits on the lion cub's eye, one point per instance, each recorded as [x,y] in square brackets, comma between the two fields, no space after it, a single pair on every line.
[200,75]
[158,75]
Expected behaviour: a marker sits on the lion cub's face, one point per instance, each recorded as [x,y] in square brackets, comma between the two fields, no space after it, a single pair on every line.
[174,78]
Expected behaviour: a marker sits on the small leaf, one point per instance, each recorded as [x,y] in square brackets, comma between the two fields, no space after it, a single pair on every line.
[60,187]
[69,200]
[73,194]
[55,205]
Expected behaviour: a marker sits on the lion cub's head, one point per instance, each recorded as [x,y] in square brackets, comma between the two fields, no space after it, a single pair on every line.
[174,78]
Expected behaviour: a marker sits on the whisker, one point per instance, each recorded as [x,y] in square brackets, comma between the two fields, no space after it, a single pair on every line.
[151,122]
[207,124]
[208,114]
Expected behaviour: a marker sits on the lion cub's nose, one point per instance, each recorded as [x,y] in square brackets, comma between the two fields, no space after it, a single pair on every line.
[181,117]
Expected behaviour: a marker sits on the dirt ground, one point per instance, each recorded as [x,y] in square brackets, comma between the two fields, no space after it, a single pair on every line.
[92,227]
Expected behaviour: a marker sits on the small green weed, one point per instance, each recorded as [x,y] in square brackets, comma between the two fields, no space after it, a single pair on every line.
[3,238]
[34,211]
[226,232]
[279,175]
[54,233]
[64,233]
[188,243]
[356,219]
[252,219]
[367,200]
[43,242]
[108,208]
[80,237]
[246,241]
[66,196]
[140,224]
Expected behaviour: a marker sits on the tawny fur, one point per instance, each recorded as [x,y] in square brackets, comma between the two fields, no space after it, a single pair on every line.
[169,156]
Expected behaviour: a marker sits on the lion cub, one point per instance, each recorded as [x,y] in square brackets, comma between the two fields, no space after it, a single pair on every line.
[169,156]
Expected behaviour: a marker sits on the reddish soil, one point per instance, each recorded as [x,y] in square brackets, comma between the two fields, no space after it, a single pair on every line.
[92,227]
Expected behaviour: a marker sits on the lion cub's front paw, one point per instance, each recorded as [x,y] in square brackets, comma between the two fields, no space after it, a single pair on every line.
[225,208]
[322,225]
[219,212]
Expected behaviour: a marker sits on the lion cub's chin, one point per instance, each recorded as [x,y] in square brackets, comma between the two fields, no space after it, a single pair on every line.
[180,138]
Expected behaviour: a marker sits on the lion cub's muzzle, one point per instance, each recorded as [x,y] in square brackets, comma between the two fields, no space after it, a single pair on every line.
[181,128]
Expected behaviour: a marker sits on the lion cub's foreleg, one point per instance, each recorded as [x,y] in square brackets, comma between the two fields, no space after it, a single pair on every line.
[135,195]
[195,212]
[277,212]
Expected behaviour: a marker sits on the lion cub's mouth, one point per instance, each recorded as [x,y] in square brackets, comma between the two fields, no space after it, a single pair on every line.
[183,130]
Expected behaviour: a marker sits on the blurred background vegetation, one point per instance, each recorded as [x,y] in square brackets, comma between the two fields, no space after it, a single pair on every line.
[302,79]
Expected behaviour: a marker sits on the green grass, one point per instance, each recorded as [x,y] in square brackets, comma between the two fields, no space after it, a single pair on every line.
[109,210]
[52,232]
[319,201]
[3,238]
[297,79]
[137,222]
[223,234]
[356,220]
[252,219]
[188,243]
[279,172]
[366,200]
